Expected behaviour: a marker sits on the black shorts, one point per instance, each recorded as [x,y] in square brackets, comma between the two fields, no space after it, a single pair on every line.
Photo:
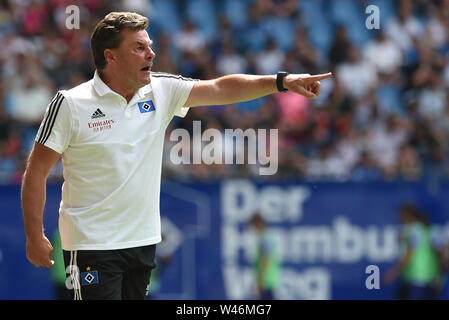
[121,274]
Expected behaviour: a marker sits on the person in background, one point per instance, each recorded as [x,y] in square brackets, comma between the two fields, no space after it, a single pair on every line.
[58,275]
[444,258]
[267,265]
[418,266]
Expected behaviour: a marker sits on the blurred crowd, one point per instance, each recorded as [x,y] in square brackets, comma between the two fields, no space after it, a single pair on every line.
[382,116]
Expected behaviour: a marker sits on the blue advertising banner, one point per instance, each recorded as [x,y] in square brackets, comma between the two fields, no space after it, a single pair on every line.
[331,238]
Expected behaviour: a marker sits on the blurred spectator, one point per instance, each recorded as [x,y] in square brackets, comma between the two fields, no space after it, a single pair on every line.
[13,52]
[165,60]
[139,6]
[267,265]
[441,129]
[29,99]
[348,148]
[443,252]
[384,141]
[328,165]
[432,99]
[418,265]
[384,54]
[293,108]
[409,164]
[189,39]
[339,50]
[269,61]
[405,27]
[437,26]
[254,37]
[304,53]
[229,61]
[366,169]
[33,17]
[356,75]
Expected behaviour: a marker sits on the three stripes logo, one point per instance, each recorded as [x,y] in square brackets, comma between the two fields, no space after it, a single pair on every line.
[98,114]
[50,118]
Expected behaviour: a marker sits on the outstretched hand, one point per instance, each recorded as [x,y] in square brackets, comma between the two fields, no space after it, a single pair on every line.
[305,84]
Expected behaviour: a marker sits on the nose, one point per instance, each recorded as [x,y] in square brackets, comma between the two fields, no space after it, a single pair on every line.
[150,53]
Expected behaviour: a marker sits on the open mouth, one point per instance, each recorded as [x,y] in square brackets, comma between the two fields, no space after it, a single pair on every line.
[145,69]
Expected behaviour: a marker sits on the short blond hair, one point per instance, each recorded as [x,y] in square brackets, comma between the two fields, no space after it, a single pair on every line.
[107,33]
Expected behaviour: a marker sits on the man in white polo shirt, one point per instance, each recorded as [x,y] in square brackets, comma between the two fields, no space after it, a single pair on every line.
[110,134]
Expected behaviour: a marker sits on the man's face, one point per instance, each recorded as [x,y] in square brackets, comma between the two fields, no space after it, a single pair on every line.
[134,58]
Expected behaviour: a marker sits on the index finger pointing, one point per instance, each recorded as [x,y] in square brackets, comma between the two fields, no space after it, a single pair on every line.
[319,76]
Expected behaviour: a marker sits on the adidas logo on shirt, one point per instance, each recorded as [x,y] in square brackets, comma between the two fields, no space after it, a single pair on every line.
[98,114]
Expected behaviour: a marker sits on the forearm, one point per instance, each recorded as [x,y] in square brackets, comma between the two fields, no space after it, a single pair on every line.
[243,87]
[232,89]
[33,203]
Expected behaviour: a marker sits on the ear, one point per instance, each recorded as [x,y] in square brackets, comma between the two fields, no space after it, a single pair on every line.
[109,56]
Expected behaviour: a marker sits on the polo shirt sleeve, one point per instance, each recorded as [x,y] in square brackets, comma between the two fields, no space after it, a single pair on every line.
[55,129]
[180,88]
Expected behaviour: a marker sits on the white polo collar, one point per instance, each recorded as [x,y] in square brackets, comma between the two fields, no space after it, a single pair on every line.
[102,88]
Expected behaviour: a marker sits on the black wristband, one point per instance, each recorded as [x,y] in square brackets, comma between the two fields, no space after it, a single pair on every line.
[279,81]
